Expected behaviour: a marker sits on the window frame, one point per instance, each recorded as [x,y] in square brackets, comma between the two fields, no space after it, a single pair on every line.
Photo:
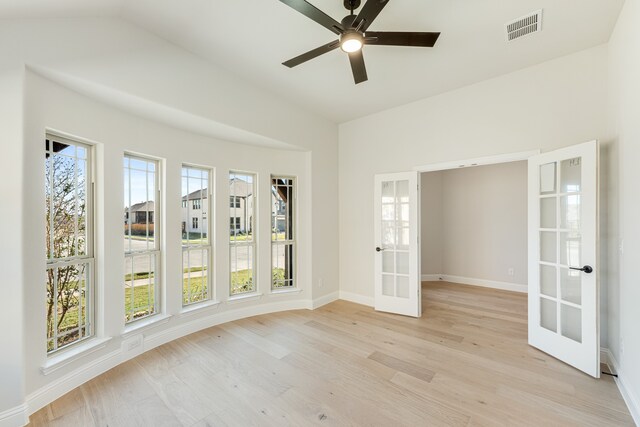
[208,219]
[156,252]
[89,257]
[253,221]
[293,221]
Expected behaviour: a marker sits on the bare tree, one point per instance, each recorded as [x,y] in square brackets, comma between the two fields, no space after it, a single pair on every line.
[65,187]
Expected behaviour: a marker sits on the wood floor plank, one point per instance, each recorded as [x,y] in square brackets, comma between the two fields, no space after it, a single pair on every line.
[465,362]
[403,366]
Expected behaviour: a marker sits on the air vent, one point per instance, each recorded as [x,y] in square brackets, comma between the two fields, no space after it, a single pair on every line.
[524,26]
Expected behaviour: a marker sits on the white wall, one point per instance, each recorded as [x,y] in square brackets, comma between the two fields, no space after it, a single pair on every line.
[483,222]
[11,249]
[565,105]
[431,222]
[143,77]
[624,63]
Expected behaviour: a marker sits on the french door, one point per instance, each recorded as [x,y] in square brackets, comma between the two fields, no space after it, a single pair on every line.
[397,253]
[563,262]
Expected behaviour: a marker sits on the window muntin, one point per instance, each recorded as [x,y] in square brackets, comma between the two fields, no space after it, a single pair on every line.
[282,232]
[196,246]
[69,242]
[141,237]
[242,242]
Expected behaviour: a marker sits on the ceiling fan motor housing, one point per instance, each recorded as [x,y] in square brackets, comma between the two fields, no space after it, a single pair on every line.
[348,20]
[351,4]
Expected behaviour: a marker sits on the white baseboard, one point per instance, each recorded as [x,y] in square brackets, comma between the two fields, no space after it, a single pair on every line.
[63,385]
[324,300]
[15,417]
[357,298]
[494,284]
[59,387]
[627,395]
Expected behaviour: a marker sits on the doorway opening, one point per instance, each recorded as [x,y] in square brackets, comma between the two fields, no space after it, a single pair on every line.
[474,226]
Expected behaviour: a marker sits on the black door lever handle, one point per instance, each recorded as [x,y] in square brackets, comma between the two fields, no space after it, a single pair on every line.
[379,249]
[587,269]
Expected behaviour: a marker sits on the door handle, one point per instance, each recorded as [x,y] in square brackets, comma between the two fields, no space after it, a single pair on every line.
[379,249]
[587,269]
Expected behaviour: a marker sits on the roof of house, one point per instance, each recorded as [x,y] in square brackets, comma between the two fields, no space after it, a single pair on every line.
[141,207]
[240,188]
[196,195]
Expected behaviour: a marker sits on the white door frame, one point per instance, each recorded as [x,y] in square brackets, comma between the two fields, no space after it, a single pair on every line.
[467,163]
[478,161]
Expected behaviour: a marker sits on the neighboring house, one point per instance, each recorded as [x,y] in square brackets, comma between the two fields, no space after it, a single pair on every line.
[240,205]
[139,213]
[194,208]
[194,212]
[278,207]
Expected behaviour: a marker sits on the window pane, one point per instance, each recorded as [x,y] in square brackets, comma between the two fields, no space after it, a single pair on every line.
[242,191]
[241,269]
[282,231]
[195,276]
[68,217]
[141,238]
[68,299]
[139,282]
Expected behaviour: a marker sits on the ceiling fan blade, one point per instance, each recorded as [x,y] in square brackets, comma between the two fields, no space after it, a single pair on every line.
[312,54]
[315,14]
[369,12]
[357,66]
[397,38]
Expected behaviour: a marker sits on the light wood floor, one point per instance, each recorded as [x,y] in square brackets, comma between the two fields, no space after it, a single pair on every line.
[465,362]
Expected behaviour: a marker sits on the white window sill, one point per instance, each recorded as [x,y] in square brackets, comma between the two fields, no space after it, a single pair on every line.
[143,324]
[285,291]
[244,297]
[197,308]
[66,357]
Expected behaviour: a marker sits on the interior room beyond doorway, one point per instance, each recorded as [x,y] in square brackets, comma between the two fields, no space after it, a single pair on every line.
[474,225]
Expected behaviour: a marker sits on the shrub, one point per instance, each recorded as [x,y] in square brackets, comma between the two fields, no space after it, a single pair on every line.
[139,229]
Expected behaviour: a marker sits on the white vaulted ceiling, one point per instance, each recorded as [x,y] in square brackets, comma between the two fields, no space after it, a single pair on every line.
[252,38]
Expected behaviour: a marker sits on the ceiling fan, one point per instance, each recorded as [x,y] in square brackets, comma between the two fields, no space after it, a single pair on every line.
[353,35]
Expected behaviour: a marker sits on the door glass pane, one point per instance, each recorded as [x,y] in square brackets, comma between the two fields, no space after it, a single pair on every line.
[548,178]
[402,191]
[570,212]
[402,262]
[387,285]
[571,285]
[570,175]
[548,280]
[388,233]
[571,322]
[387,192]
[403,212]
[403,238]
[548,212]
[548,314]
[388,213]
[387,262]
[570,249]
[548,246]
[403,286]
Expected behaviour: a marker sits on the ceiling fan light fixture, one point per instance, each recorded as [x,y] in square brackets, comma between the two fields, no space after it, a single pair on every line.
[351,42]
